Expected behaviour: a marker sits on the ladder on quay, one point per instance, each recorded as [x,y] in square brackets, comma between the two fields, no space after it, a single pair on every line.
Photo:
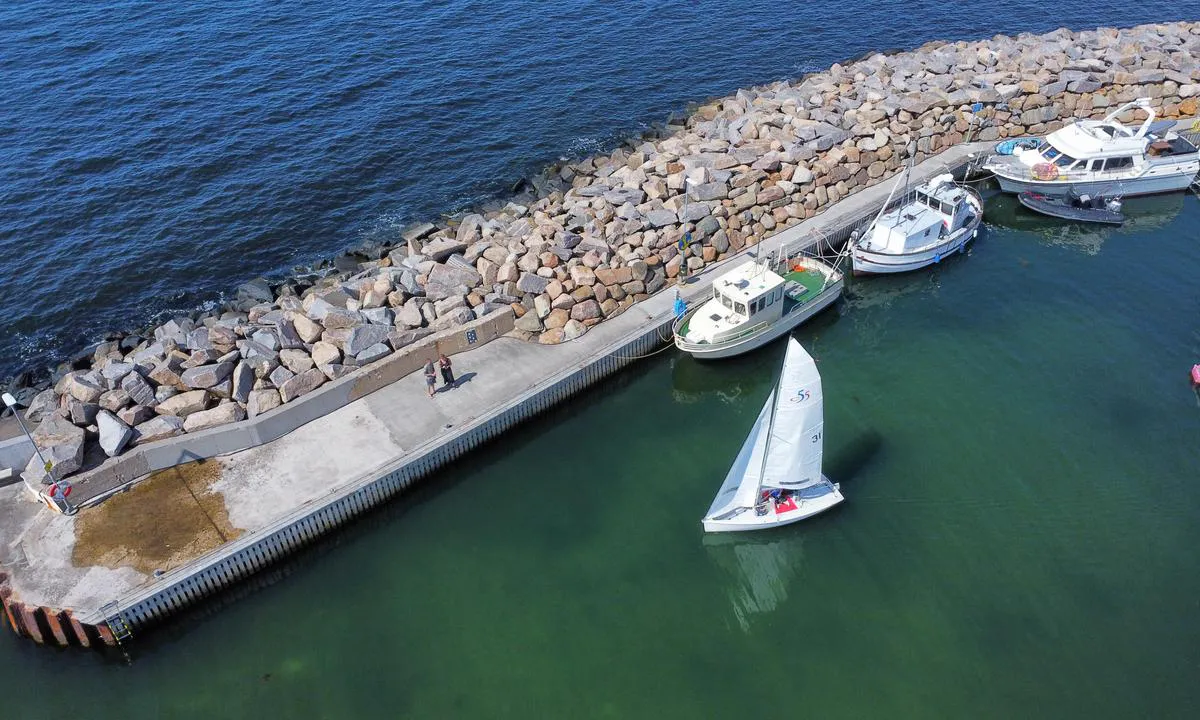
[120,628]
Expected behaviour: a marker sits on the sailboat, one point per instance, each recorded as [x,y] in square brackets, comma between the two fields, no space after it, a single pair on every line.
[776,478]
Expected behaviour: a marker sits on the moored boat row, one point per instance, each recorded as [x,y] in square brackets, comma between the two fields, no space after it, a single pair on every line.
[776,478]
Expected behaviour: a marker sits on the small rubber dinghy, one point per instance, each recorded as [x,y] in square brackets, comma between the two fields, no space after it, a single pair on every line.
[1076,206]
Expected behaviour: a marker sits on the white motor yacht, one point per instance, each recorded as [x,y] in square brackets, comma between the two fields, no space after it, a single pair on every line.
[940,220]
[1102,157]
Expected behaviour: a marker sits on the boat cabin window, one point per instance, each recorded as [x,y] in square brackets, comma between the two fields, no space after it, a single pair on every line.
[1064,161]
[1096,165]
[1118,163]
[770,300]
[1047,150]
[726,301]
[739,308]
[755,306]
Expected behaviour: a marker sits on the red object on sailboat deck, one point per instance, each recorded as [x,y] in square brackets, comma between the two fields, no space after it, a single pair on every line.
[787,505]
[1196,374]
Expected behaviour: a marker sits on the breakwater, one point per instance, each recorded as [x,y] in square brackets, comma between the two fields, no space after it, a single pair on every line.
[589,238]
[602,233]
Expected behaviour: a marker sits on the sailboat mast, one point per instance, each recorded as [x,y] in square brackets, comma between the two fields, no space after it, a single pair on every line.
[770,428]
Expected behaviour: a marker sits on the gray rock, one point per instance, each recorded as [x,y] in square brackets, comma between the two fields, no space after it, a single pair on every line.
[183,404]
[529,322]
[452,275]
[206,376]
[295,360]
[136,415]
[661,218]
[61,444]
[159,428]
[164,392]
[407,337]
[410,314]
[222,414]
[373,353]
[138,389]
[250,349]
[114,400]
[442,248]
[114,372]
[42,405]
[199,339]
[261,401]
[364,337]
[533,284]
[81,413]
[83,388]
[221,335]
[281,375]
[243,381]
[302,384]
[342,318]
[416,232]
[114,433]
[257,290]
[379,316]
[573,329]
[308,330]
[289,337]
[324,353]
[461,316]
[267,339]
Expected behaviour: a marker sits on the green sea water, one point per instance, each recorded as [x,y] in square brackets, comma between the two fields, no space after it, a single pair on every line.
[1015,435]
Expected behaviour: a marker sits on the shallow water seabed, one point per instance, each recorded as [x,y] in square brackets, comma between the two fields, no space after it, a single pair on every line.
[1013,430]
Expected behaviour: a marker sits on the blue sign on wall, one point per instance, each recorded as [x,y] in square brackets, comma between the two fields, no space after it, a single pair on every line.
[471,337]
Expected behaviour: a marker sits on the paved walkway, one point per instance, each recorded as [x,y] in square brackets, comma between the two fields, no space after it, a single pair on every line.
[266,487]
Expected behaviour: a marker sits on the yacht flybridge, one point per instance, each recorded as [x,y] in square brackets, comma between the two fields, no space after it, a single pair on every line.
[1097,157]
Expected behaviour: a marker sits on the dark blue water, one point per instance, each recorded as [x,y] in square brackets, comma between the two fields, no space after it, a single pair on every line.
[153,154]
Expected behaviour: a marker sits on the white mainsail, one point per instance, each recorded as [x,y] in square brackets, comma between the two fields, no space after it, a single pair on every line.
[795,445]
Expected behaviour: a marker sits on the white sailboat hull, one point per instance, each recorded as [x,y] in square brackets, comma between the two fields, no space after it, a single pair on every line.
[750,519]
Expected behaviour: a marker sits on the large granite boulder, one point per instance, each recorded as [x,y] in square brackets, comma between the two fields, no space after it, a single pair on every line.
[302,384]
[183,404]
[364,337]
[222,414]
[206,376]
[61,444]
[114,433]
[262,400]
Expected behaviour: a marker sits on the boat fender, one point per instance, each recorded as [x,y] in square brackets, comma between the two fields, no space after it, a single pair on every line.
[1196,374]
[937,258]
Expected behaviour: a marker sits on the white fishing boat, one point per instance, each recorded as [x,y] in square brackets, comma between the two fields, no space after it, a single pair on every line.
[756,303]
[940,220]
[1091,157]
[776,478]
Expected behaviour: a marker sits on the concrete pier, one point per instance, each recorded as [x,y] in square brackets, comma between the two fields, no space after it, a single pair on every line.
[189,531]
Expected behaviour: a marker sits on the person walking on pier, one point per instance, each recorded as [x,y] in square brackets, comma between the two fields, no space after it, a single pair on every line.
[447,370]
[430,378]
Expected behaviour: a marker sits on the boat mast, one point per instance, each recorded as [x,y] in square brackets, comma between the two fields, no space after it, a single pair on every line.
[770,427]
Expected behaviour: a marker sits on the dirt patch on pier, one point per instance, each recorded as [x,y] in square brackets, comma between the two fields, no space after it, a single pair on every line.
[169,518]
